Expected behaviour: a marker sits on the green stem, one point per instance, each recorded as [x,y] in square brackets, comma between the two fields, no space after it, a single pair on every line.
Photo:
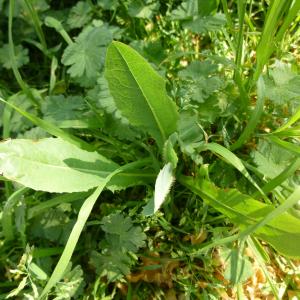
[12,57]
[37,25]
[279,179]
[254,119]
[239,52]
[266,44]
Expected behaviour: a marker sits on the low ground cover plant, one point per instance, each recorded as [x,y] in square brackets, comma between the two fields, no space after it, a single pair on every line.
[150,149]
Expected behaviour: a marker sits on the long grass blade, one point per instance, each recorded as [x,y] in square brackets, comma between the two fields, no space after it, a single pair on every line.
[254,119]
[36,22]
[232,159]
[290,122]
[65,198]
[286,145]
[52,129]
[83,215]
[279,179]
[12,57]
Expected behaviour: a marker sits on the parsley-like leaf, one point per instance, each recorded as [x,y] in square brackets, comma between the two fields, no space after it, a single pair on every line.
[113,264]
[143,8]
[282,85]
[21,56]
[86,56]
[69,112]
[80,15]
[121,233]
[271,159]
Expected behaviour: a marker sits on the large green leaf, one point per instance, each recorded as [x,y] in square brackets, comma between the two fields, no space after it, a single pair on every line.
[54,165]
[139,92]
[279,228]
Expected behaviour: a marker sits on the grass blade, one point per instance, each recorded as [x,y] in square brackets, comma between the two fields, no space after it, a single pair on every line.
[254,119]
[290,122]
[83,215]
[73,238]
[12,57]
[65,198]
[232,159]
[52,129]
[286,145]
[279,179]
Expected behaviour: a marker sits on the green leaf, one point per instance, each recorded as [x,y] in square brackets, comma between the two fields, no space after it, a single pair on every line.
[191,8]
[115,124]
[86,56]
[169,153]
[80,14]
[69,112]
[271,159]
[83,215]
[104,99]
[121,237]
[109,4]
[153,50]
[121,233]
[203,25]
[273,225]
[143,8]
[21,56]
[50,128]
[71,285]
[200,80]
[112,263]
[282,85]
[139,92]
[54,225]
[232,159]
[190,135]
[56,166]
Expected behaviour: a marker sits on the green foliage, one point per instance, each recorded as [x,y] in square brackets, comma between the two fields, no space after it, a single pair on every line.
[80,15]
[120,233]
[68,112]
[72,284]
[85,57]
[282,84]
[122,238]
[282,232]
[42,165]
[198,16]
[270,159]
[21,56]
[168,132]
[201,81]
[143,8]
[206,24]
[130,77]
[188,9]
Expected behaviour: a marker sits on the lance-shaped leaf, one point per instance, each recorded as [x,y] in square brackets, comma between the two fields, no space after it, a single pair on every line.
[54,165]
[163,185]
[139,92]
[274,225]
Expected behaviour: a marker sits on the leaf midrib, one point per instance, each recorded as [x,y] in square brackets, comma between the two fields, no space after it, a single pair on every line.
[82,170]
